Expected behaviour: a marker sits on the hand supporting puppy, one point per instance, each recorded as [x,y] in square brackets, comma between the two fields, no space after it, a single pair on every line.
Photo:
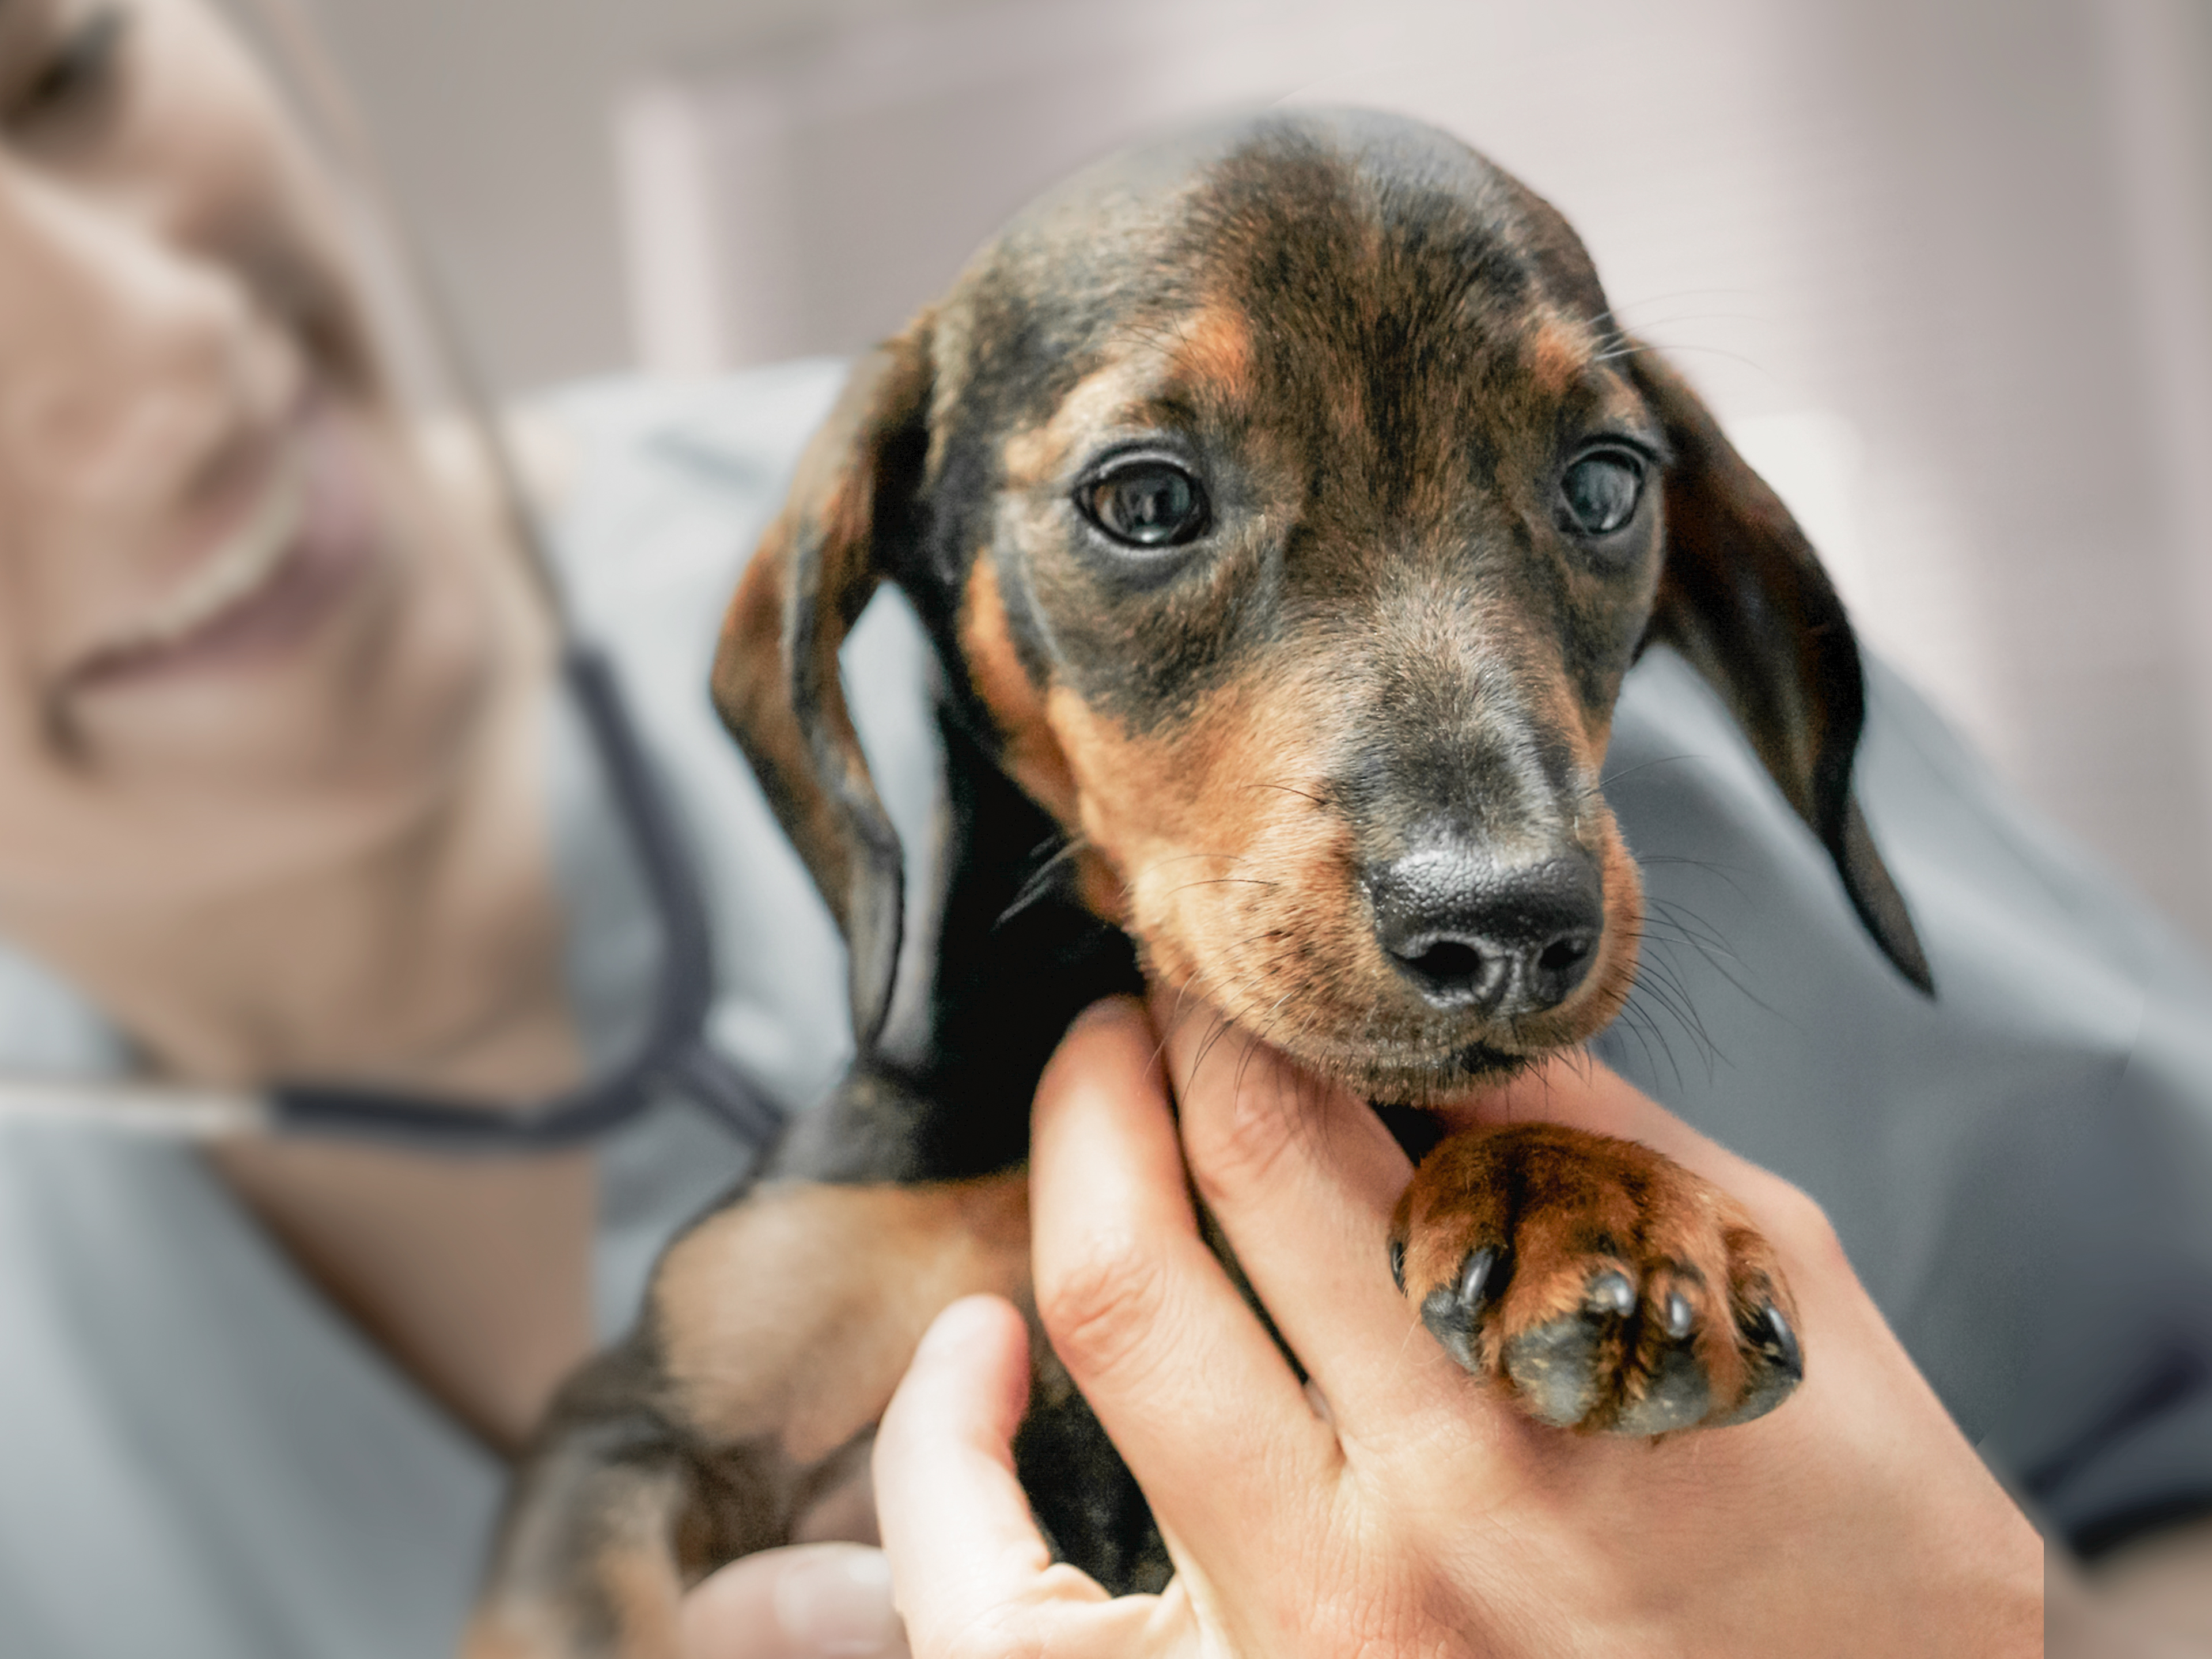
[805,1601]
[1395,1505]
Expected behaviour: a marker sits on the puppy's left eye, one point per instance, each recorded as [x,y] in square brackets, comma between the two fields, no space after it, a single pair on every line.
[1147,503]
[1600,492]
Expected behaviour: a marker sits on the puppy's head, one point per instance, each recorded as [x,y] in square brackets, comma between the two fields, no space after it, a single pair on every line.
[1288,510]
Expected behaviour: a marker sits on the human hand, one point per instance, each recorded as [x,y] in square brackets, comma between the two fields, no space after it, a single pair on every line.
[808,1602]
[1395,1504]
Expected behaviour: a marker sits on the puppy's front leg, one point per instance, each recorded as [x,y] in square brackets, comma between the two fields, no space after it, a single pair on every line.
[586,1565]
[1607,1287]
[774,1334]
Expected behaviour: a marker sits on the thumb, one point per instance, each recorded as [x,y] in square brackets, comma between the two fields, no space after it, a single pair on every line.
[810,1602]
[955,1521]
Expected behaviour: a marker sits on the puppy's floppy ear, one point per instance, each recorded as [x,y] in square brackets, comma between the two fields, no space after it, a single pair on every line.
[1744,599]
[851,507]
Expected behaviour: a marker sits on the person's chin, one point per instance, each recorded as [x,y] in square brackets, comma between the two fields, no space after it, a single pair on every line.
[375,705]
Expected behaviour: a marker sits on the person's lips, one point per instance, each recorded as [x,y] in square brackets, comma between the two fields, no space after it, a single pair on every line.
[233,574]
[264,582]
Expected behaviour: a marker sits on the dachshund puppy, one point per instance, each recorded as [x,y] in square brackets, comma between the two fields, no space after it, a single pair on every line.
[1286,509]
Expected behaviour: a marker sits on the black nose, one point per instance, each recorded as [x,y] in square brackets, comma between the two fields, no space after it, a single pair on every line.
[1470,932]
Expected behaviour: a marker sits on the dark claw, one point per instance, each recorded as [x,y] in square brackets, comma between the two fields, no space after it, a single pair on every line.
[1475,1278]
[1398,1264]
[1774,1380]
[1450,1312]
[1610,1292]
[1779,1343]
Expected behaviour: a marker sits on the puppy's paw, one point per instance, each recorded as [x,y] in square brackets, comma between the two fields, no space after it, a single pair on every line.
[1607,1287]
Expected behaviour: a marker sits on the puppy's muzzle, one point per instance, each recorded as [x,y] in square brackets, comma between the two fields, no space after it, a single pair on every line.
[1471,933]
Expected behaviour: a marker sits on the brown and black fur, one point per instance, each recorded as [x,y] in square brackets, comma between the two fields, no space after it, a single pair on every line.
[1332,762]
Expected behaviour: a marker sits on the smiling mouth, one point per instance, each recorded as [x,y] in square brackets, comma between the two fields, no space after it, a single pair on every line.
[230,576]
[263,584]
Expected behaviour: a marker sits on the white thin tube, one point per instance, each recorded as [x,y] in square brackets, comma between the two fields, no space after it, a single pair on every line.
[150,1110]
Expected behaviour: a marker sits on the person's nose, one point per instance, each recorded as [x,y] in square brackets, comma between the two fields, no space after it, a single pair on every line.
[130,364]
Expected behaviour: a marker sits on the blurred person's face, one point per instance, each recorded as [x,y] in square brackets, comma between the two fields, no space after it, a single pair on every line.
[234,628]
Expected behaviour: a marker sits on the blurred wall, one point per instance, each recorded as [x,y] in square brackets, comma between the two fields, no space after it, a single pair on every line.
[492,119]
[1946,269]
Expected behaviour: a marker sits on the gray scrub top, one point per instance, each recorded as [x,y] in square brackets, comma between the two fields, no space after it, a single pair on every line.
[199,1458]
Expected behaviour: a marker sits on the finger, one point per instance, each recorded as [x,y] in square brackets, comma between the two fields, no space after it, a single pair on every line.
[956,1524]
[1302,1177]
[807,1602]
[1183,1376]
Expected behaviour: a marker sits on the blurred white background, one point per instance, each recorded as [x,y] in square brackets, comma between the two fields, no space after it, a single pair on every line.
[1944,266]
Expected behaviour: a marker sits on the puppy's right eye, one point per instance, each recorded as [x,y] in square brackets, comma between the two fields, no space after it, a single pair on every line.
[1146,504]
[1600,492]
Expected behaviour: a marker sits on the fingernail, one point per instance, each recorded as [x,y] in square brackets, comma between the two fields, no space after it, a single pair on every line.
[839,1602]
[956,1328]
